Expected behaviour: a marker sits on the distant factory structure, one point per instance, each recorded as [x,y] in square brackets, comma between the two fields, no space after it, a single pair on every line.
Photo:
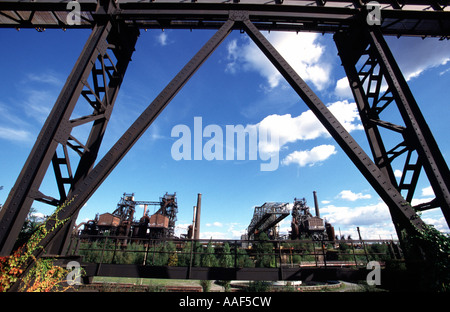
[304,225]
[161,224]
[121,222]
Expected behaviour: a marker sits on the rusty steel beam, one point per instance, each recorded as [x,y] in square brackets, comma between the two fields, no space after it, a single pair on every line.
[103,61]
[412,18]
[104,167]
[416,137]
[404,216]
[55,130]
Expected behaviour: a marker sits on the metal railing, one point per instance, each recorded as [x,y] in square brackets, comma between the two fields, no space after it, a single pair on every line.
[233,253]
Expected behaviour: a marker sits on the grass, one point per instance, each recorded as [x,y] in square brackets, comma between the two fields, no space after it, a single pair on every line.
[146,281]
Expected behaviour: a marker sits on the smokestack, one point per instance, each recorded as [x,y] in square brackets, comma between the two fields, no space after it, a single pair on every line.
[316,204]
[197,217]
[193,223]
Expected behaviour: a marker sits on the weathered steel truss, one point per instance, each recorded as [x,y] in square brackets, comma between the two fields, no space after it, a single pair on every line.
[266,217]
[99,71]
[377,83]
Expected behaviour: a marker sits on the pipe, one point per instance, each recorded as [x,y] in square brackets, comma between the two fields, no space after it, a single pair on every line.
[145,209]
[197,217]
[316,204]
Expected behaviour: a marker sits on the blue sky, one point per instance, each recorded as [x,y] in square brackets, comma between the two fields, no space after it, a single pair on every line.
[236,86]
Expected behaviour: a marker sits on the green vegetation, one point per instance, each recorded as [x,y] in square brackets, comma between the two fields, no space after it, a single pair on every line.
[434,273]
[263,253]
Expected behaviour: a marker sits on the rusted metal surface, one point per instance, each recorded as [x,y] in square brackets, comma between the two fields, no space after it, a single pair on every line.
[416,18]
[115,30]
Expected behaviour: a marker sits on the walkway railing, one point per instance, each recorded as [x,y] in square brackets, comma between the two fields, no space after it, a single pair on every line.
[234,253]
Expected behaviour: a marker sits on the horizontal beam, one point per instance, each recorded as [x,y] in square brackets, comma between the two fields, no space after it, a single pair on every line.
[215,273]
[420,19]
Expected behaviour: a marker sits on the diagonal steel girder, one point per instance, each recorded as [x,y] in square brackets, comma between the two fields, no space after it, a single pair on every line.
[105,166]
[56,132]
[403,215]
[417,138]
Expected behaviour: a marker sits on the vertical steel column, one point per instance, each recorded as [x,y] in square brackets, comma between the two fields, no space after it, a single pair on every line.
[121,41]
[418,133]
[406,221]
[55,130]
[417,138]
[104,167]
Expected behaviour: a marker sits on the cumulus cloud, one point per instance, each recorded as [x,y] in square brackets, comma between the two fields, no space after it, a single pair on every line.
[422,54]
[306,126]
[309,157]
[428,191]
[302,51]
[342,89]
[349,195]
[357,216]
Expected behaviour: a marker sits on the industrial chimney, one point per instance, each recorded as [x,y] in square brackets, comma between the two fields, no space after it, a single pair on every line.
[197,217]
[316,204]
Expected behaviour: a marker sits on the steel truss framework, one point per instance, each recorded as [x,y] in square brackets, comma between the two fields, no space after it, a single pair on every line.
[97,75]
[266,217]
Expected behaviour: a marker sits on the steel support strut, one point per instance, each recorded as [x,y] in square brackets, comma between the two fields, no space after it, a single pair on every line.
[104,167]
[404,216]
[94,82]
[367,46]
[57,130]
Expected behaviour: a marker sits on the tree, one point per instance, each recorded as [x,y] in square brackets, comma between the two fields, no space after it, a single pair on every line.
[264,252]
[226,261]
[208,258]
[30,225]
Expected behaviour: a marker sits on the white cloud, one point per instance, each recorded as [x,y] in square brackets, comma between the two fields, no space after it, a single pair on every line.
[438,222]
[373,220]
[342,89]
[306,126]
[39,103]
[309,157]
[39,215]
[224,231]
[217,224]
[398,173]
[14,134]
[162,39]
[302,51]
[358,216]
[46,78]
[422,54]
[213,235]
[349,195]
[428,191]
